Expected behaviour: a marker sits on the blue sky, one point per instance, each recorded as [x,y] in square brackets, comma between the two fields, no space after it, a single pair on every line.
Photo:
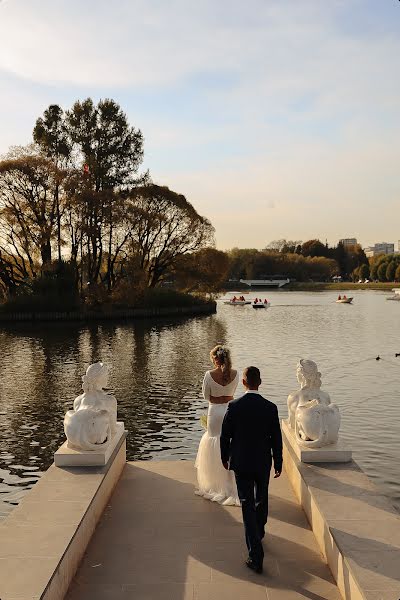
[275,118]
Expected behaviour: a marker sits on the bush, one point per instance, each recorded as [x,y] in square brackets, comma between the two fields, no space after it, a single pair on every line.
[54,291]
[165,298]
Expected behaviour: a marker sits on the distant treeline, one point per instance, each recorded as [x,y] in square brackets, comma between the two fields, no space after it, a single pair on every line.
[301,261]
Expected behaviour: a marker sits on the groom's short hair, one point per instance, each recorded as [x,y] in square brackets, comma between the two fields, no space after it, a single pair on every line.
[252,376]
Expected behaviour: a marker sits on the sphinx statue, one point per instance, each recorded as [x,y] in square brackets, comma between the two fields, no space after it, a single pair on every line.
[92,422]
[313,419]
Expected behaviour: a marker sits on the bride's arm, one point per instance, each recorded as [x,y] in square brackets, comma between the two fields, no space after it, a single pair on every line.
[206,389]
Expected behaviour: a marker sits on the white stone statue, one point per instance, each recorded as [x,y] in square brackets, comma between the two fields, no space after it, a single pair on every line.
[92,423]
[314,420]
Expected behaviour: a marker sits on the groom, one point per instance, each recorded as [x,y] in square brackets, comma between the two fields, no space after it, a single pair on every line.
[250,437]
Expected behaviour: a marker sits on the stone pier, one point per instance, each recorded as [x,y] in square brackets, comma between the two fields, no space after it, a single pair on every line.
[136,531]
[156,541]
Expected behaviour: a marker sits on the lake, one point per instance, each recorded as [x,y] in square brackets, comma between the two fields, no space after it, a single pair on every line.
[157,369]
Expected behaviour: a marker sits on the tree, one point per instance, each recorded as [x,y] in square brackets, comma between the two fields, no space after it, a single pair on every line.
[391,270]
[51,135]
[241,259]
[205,270]
[28,208]
[363,271]
[397,274]
[163,227]
[381,271]
[314,248]
[111,149]
[112,152]
[341,257]
[283,246]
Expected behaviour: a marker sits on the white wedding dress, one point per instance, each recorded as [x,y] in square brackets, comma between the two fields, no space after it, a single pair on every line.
[214,482]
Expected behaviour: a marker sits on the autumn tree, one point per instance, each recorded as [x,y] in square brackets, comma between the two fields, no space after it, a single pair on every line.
[163,227]
[205,270]
[28,209]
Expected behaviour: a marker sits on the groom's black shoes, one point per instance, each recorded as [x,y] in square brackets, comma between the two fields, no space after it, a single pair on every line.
[254,566]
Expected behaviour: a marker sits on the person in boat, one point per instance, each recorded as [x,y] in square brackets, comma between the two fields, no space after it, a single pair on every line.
[265,301]
[234,299]
[242,298]
[339,297]
[255,301]
[344,297]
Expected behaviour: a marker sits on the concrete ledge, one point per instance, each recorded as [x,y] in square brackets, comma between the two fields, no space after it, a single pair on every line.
[43,540]
[357,528]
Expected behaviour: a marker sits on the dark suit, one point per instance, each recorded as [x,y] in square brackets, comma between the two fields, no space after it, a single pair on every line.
[250,438]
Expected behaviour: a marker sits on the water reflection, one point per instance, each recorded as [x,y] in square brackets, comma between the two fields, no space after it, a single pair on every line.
[156,375]
[157,369]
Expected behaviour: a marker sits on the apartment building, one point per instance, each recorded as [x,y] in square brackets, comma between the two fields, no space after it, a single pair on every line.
[379,248]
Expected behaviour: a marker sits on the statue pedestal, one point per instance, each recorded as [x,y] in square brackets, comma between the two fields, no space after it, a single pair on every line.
[68,457]
[327,454]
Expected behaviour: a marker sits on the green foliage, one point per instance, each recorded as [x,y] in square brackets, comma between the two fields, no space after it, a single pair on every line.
[380,268]
[391,270]
[381,271]
[363,271]
[110,148]
[254,264]
[51,134]
[397,273]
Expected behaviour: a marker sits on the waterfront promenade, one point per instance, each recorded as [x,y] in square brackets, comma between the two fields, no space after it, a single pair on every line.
[156,540]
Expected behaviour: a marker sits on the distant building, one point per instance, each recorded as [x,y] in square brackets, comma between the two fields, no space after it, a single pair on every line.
[347,242]
[380,248]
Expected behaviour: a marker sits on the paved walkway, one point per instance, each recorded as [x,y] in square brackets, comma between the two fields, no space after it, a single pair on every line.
[158,541]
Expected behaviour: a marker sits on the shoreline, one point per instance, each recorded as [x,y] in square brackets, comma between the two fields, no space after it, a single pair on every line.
[206,308]
[305,286]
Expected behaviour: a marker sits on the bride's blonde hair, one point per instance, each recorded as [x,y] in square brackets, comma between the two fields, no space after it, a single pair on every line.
[222,357]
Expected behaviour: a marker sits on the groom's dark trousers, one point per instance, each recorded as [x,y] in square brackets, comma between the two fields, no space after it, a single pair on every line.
[250,438]
[253,494]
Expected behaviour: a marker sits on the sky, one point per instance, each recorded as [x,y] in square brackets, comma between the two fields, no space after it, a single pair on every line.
[275,118]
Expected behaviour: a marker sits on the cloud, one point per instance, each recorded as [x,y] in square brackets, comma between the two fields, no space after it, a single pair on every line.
[276,119]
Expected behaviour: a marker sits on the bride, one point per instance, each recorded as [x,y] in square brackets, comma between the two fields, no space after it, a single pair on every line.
[219,385]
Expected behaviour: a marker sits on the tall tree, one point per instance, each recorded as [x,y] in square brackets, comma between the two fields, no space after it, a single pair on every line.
[51,135]
[111,151]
